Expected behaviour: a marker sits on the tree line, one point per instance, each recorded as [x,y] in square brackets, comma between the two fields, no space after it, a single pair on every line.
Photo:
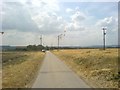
[31,48]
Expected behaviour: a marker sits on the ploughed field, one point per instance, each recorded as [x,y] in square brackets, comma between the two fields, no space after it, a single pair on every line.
[97,67]
[20,68]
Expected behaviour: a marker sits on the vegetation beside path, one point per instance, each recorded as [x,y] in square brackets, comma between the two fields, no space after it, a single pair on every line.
[20,68]
[98,67]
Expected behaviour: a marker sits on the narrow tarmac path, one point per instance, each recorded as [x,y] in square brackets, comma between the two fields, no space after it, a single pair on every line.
[55,74]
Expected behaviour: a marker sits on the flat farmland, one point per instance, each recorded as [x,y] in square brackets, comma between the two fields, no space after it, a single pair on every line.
[96,67]
[20,68]
[0,71]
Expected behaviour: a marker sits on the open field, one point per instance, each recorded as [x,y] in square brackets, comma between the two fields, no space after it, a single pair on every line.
[0,71]
[0,79]
[98,67]
[20,68]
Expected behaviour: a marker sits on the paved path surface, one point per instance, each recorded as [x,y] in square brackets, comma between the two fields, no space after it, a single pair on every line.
[55,74]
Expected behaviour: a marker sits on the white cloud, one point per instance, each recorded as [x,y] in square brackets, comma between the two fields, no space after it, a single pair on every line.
[78,17]
[14,37]
[86,37]
[77,9]
[75,27]
[69,10]
[45,16]
[49,23]
[109,22]
[105,21]
[38,6]
[31,18]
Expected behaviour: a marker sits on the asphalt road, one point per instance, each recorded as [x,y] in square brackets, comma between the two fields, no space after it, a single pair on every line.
[55,74]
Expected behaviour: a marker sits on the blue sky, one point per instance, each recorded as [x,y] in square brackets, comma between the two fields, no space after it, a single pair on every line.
[80,22]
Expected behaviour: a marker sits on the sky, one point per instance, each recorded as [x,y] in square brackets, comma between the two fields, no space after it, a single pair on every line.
[80,22]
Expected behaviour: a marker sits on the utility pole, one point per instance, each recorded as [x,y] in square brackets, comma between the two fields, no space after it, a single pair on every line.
[58,41]
[104,33]
[41,40]
[59,36]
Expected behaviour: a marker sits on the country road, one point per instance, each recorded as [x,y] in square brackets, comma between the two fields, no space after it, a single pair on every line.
[55,74]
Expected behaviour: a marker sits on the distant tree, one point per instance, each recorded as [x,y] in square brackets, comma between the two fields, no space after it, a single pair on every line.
[47,48]
[35,48]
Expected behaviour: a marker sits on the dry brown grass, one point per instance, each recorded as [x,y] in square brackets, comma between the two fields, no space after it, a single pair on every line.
[20,68]
[0,79]
[98,67]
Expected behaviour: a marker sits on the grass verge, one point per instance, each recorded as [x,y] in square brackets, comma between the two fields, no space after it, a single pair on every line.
[97,67]
[20,68]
